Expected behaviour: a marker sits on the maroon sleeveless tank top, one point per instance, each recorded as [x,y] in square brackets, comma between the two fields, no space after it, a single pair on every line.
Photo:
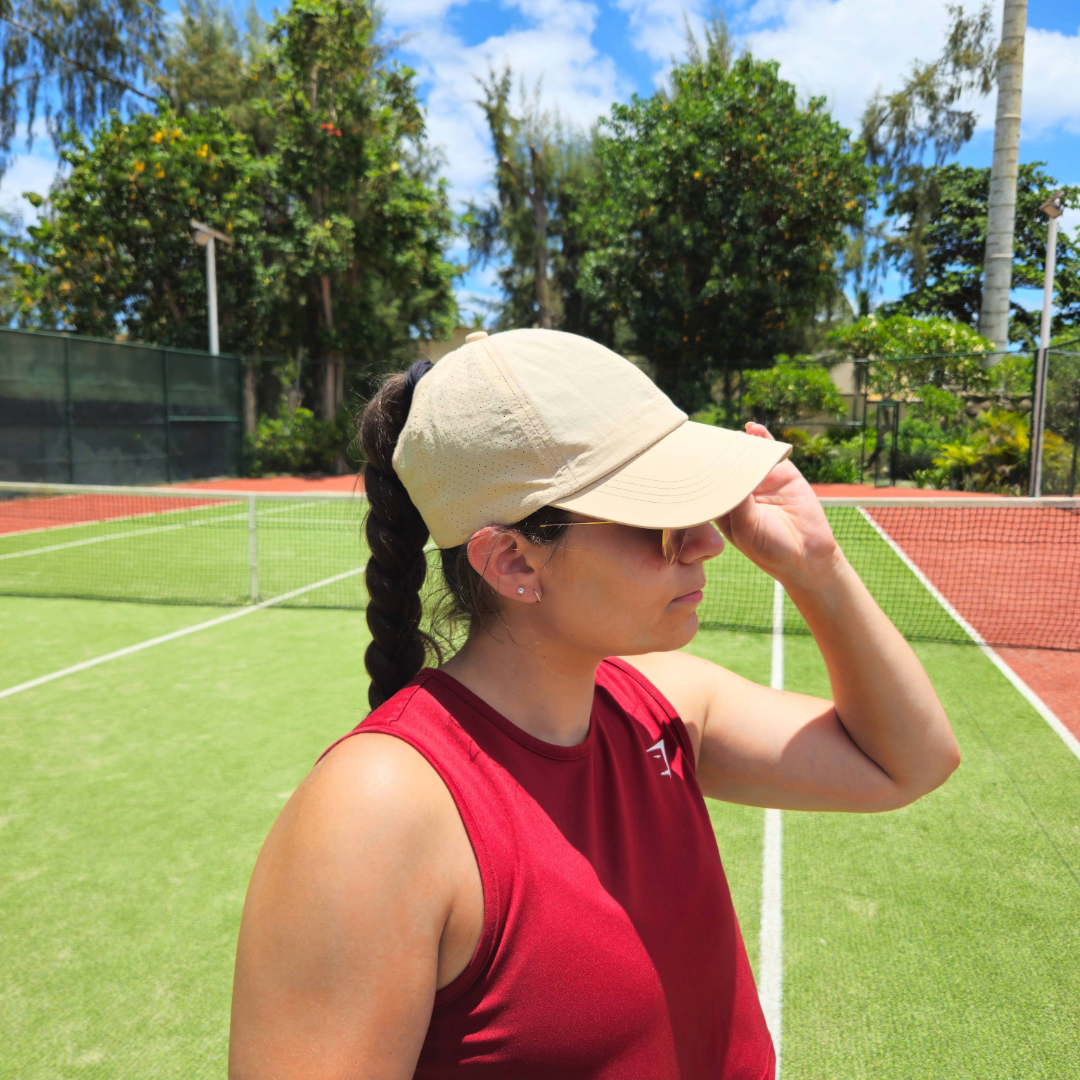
[610,947]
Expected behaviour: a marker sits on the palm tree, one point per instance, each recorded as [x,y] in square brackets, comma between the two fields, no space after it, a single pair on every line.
[1001,210]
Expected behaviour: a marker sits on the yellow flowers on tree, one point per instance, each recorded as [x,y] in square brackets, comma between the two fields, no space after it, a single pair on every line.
[340,226]
[112,252]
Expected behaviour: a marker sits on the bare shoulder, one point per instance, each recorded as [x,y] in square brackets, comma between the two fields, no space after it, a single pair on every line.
[366,819]
[343,936]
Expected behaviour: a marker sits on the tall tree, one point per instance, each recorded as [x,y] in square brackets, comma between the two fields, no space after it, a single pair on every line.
[924,119]
[540,169]
[947,278]
[73,60]
[208,61]
[362,221]
[716,216]
[1001,211]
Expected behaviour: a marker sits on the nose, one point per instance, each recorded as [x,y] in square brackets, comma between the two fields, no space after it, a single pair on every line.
[702,542]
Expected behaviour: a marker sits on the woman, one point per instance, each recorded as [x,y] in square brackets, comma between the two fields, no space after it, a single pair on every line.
[513,873]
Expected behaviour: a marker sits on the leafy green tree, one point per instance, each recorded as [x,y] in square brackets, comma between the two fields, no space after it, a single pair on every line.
[74,60]
[113,251]
[790,392]
[363,224]
[930,351]
[941,248]
[10,230]
[715,217]
[529,225]
[341,227]
[208,62]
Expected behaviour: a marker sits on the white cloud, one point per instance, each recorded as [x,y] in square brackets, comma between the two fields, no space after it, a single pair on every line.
[554,46]
[658,27]
[845,50]
[1051,96]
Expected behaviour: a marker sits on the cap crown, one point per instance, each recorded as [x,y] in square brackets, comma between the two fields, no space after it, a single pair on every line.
[518,420]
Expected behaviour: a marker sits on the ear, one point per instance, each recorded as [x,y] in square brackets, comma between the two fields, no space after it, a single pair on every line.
[507,562]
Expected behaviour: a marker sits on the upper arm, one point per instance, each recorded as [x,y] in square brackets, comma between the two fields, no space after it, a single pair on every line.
[767,747]
[337,962]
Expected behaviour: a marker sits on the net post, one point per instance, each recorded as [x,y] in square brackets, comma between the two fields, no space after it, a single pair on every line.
[253,549]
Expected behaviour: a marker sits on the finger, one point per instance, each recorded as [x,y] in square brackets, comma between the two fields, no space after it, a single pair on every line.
[741,515]
[760,430]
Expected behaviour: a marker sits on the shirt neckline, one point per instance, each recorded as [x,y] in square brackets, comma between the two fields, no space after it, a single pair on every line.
[509,728]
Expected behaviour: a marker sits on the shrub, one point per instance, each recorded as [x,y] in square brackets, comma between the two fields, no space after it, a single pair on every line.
[791,392]
[297,442]
[994,457]
[822,460]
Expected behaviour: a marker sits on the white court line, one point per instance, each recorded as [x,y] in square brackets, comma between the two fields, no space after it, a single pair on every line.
[120,517]
[138,532]
[1029,695]
[771,944]
[149,644]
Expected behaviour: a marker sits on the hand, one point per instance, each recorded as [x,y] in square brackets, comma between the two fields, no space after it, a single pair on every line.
[781,527]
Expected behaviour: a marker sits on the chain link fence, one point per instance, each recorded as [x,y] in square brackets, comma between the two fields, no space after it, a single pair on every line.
[944,421]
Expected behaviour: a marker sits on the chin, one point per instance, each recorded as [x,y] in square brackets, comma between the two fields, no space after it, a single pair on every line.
[674,635]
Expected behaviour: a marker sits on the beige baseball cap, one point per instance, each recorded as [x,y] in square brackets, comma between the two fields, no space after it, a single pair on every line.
[515,421]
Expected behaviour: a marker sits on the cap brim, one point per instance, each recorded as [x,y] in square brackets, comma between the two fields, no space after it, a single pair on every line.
[694,474]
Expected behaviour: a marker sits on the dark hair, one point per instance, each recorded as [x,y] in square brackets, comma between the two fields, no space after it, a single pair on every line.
[397,566]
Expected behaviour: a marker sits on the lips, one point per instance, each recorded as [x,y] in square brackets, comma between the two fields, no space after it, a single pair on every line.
[694,597]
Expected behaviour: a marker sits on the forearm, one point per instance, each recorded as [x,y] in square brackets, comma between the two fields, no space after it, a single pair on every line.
[883,697]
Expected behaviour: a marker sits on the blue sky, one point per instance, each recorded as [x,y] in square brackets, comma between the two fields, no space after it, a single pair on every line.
[589,53]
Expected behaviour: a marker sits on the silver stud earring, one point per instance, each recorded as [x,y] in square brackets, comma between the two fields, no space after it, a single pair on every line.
[521,592]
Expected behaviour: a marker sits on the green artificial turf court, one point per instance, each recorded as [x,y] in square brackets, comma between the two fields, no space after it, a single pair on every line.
[940,940]
[181,550]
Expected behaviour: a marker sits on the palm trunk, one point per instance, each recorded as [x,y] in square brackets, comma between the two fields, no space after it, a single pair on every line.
[1001,208]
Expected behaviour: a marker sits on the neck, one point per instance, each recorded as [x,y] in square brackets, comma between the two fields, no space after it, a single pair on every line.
[545,688]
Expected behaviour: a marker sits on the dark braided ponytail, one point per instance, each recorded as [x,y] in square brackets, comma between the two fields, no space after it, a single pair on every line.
[397,566]
[396,535]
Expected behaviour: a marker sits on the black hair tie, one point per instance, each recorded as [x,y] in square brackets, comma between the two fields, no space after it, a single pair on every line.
[412,377]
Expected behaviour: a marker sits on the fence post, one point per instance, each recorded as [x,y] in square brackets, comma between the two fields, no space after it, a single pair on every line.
[1076,442]
[168,425]
[69,419]
[253,549]
[1038,419]
[865,409]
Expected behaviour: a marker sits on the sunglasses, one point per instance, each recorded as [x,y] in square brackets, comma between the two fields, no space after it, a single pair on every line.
[672,541]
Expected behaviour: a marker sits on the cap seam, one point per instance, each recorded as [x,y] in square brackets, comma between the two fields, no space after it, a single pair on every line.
[530,420]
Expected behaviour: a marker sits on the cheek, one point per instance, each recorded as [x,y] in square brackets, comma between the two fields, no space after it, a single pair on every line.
[620,592]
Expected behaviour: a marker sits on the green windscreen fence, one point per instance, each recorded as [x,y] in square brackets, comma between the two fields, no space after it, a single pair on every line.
[80,410]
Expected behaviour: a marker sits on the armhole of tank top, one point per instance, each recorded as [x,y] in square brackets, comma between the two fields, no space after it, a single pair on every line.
[678,728]
[488,881]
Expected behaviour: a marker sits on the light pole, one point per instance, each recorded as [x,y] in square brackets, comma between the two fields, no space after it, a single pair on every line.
[204,236]
[1052,208]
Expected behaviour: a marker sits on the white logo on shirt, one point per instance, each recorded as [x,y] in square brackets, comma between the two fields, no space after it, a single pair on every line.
[659,751]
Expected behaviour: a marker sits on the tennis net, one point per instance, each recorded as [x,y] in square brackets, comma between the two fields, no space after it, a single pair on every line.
[1002,570]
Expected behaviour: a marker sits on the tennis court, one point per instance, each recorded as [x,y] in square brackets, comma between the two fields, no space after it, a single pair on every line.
[940,940]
